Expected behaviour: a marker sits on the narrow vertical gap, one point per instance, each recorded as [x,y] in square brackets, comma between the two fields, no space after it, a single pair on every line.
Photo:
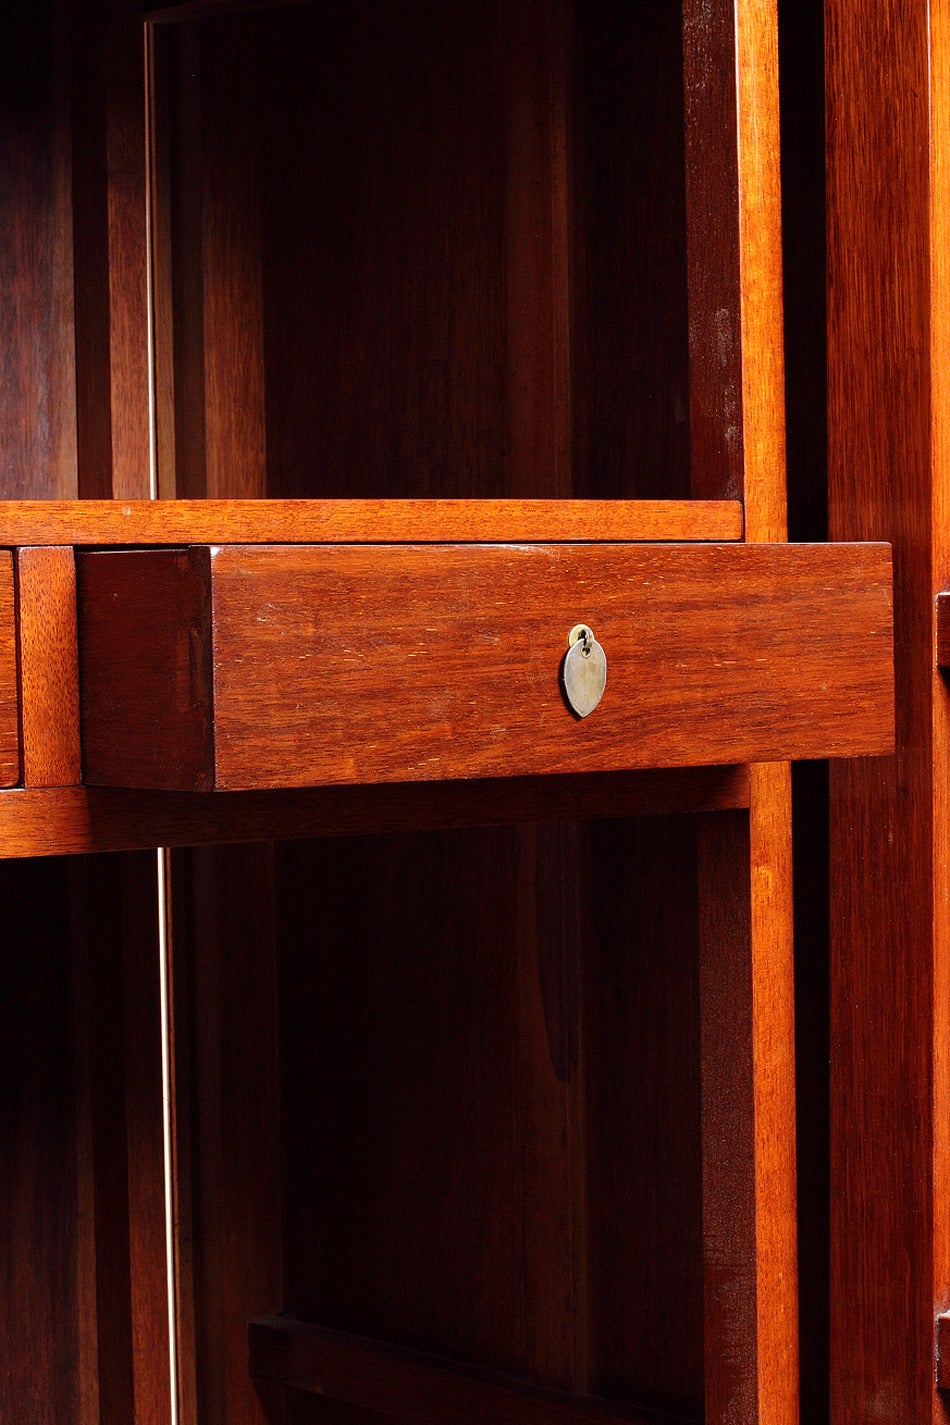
[163,866]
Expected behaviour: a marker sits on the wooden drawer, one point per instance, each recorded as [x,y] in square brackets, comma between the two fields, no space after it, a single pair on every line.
[242,667]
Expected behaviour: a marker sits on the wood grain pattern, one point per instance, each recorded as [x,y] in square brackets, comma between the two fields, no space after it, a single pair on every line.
[630,378]
[747,1015]
[70,820]
[168,692]
[411,1386]
[312,649]
[48,665]
[38,368]
[9,710]
[228,1123]
[713,258]
[110,252]
[943,1351]
[888,311]
[123,1322]
[94,522]
[770,986]
[760,270]
[731,1125]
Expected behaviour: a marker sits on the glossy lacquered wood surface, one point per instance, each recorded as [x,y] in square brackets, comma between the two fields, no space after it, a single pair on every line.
[9,711]
[240,667]
[71,820]
[95,522]
[889,432]
[49,666]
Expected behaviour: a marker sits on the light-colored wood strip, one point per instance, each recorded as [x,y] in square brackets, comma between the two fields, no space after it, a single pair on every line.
[69,820]
[772,1029]
[49,666]
[773,1083]
[760,271]
[94,522]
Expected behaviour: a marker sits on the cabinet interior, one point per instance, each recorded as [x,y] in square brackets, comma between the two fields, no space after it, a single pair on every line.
[434,250]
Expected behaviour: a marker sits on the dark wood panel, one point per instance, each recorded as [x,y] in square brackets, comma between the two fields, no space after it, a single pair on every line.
[890,918]
[639,1065]
[177,746]
[9,710]
[313,648]
[249,521]
[40,1346]
[49,666]
[405,1385]
[630,393]
[227,1123]
[37,334]
[713,249]
[110,250]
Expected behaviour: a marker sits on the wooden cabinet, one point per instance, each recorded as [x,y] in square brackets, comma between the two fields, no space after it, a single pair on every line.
[440,1065]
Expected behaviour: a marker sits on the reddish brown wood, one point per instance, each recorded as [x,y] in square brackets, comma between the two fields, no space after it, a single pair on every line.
[120,1269]
[168,693]
[49,666]
[110,252]
[37,368]
[747,1014]
[888,314]
[364,521]
[629,397]
[228,1127]
[9,711]
[943,1352]
[536,65]
[407,1385]
[943,630]
[311,649]
[712,203]
[81,819]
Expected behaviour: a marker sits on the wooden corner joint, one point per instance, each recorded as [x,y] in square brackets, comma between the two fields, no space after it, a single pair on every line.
[942,1351]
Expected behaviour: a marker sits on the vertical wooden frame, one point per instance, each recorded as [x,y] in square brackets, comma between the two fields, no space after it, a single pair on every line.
[888,145]
[738,438]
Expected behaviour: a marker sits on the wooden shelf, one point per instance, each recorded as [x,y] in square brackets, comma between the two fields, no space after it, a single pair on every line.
[70,820]
[414,1386]
[110,522]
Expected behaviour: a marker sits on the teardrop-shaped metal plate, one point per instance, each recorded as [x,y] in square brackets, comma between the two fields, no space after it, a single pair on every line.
[585,674]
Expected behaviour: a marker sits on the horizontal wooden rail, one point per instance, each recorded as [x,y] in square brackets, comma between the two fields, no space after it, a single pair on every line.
[71,820]
[95,522]
[411,1386]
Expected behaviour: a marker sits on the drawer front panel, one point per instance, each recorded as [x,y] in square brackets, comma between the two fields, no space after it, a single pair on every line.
[299,665]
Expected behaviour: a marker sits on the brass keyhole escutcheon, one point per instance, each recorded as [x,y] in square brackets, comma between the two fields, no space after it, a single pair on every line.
[584,673]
